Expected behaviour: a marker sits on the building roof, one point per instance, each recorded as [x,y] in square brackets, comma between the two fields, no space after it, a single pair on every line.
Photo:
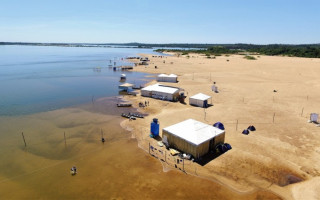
[161,88]
[193,131]
[200,96]
[165,75]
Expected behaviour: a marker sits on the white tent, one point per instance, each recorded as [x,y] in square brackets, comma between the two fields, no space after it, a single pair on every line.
[200,100]
[167,78]
[160,92]
[214,88]
[193,137]
[314,117]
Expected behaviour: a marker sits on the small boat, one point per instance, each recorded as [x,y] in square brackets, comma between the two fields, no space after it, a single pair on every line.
[137,115]
[131,116]
[125,115]
[124,104]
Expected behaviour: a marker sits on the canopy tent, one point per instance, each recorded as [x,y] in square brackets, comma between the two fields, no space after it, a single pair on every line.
[219,125]
[161,92]
[245,131]
[193,137]
[167,78]
[200,100]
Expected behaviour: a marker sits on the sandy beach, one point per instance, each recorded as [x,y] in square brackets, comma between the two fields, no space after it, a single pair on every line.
[280,158]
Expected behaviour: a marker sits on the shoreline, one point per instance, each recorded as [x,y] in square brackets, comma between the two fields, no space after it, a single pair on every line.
[103,169]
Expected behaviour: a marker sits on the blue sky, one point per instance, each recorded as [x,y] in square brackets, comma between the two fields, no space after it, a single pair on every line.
[161,21]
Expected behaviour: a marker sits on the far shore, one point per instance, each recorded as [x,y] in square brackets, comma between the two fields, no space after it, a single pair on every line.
[275,94]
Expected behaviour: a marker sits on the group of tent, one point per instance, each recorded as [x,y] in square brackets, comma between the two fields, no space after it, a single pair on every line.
[247,131]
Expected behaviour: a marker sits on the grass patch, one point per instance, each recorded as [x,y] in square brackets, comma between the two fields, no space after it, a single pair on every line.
[250,58]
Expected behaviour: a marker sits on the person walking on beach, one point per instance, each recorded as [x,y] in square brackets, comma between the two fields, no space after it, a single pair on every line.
[145,103]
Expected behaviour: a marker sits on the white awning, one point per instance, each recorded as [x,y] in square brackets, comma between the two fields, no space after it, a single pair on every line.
[165,75]
[161,88]
[201,97]
[193,131]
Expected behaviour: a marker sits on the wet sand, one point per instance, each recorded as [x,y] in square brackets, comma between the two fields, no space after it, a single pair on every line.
[117,169]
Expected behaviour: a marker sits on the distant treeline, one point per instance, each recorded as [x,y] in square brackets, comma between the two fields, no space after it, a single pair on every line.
[309,51]
[301,50]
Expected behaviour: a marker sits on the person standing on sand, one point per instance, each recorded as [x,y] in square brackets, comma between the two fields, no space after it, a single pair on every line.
[145,103]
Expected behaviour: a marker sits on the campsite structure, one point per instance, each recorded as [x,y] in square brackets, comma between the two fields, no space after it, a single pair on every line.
[193,137]
[123,77]
[126,87]
[214,88]
[162,92]
[200,100]
[167,78]
[314,117]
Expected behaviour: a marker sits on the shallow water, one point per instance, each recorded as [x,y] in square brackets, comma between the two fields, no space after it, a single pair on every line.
[42,78]
[117,169]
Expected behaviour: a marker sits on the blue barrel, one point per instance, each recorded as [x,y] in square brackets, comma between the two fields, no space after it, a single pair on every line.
[155,127]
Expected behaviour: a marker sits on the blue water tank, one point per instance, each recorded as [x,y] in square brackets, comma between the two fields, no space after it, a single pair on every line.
[155,127]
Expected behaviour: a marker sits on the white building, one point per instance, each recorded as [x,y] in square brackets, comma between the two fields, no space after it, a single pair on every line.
[193,137]
[161,92]
[200,100]
[167,78]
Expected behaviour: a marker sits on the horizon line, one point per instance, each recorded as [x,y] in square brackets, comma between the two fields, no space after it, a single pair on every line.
[106,43]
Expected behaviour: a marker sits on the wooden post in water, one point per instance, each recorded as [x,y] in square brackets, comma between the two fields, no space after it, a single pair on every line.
[92,99]
[65,140]
[274,114]
[25,144]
